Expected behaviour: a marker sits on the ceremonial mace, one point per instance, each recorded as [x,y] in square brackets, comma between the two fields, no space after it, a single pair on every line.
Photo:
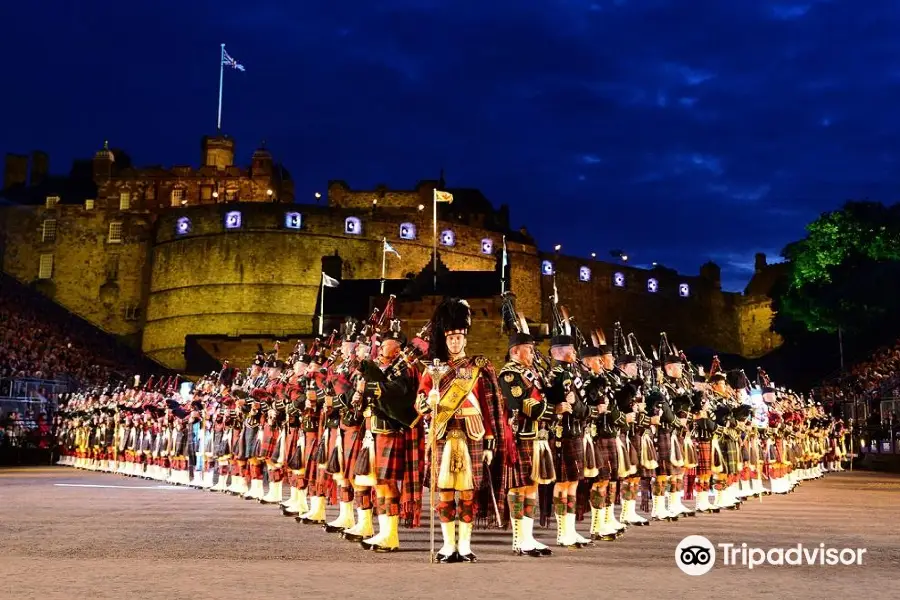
[436,370]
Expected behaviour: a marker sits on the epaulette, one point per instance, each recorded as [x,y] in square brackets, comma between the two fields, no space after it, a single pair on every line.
[481,362]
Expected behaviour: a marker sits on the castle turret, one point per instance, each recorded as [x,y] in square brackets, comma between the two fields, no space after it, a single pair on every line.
[712,273]
[40,167]
[103,162]
[16,170]
[261,163]
[218,151]
[760,262]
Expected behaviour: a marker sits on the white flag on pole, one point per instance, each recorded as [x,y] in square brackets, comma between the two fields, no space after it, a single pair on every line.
[329,281]
[505,262]
[389,248]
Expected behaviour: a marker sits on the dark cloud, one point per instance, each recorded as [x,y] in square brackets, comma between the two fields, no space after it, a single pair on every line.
[680,131]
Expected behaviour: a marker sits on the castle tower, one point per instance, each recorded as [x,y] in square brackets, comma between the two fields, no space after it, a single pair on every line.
[40,167]
[261,163]
[218,151]
[16,170]
[103,162]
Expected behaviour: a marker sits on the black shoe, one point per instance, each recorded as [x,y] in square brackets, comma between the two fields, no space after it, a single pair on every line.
[447,558]
[352,537]
[469,558]
[535,553]
[332,529]
[365,546]
[378,548]
[546,552]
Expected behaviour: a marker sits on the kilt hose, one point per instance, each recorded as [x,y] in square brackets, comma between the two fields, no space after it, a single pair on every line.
[568,459]
[607,458]
[390,457]
[309,462]
[704,457]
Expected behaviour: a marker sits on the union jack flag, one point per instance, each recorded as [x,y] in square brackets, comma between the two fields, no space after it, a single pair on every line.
[230,62]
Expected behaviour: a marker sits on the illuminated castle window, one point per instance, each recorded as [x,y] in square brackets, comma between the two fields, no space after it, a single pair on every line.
[684,290]
[293,220]
[487,246]
[352,226]
[546,268]
[652,285]
[182,226]
[584,274]
[619,279]
[407,231]
[233,220]
[447,238]
[231,195]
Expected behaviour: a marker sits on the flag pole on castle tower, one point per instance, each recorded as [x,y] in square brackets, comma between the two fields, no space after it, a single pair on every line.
[224,61]
[439,196]
[503,269]
[221,81]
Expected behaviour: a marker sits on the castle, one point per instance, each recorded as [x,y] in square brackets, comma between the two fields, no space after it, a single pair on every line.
[179,260]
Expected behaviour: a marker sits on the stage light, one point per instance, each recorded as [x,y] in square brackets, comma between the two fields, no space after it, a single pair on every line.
[447,238]
[352,226]
[407,231]
[233,220]
[293,220]
[684,290]
[619,279]
[487,246]
[652,285]
[584,274]
[182,226]
[547,268]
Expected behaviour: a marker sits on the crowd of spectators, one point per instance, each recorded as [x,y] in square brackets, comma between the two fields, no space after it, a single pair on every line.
[872,381]
[25,438]
[40,340]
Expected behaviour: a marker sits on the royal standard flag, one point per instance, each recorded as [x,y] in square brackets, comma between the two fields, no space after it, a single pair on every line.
[442,196]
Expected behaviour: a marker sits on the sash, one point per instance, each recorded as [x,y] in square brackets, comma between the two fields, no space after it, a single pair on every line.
[452,399]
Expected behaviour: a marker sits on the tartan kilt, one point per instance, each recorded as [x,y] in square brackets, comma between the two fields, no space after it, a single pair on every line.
[607,458]
[641,471]
[568,460]
[270,442]
[294,458]
[476,455]
[390,456]
[323,475]
[664,450]
[309,455]
[520,472]
[352,437]
[704,457]
[731,452]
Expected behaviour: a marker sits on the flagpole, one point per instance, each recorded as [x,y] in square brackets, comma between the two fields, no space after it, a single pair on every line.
[503,269]
[434,236]
[383,261]
[322,308]
[221,80]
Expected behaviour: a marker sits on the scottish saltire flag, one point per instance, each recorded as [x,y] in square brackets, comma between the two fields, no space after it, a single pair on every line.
[329,281]
[389,248]
[230,62]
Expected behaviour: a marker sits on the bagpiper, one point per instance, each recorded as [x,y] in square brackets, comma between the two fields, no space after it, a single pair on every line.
[522,384]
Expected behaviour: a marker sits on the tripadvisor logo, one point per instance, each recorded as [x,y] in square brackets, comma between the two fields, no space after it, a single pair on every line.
[696,555]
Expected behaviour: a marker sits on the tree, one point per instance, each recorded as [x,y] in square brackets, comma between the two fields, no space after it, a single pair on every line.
[845,274]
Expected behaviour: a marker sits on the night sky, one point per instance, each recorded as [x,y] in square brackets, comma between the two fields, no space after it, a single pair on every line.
[679,131]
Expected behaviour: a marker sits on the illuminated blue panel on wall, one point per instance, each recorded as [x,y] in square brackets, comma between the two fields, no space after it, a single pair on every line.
[684,290]
[487,246]
[619,279]
[652,285]
[182,226]
[293,220]
[447,238]
[233,219]
[584,274]
[547,268]
[407,231]
[352,226]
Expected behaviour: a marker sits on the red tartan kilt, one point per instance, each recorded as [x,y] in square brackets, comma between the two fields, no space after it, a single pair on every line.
[704,457]
[352,437]
[270,441]
[390,456]
[476,455]
[607,458]
[323,475]
[293,460]
[309,454]
[520,473]
[569,460]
